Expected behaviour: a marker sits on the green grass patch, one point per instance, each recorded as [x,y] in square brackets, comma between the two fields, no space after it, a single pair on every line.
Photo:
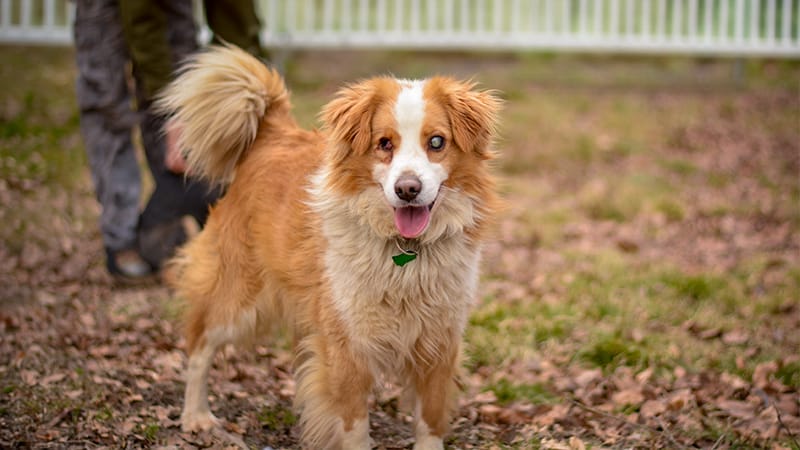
[150,431]
[44,153]
[173,308]
[105,414]
[608,311]
[39,122]
[622,198]
[679,166]
[276,417]
[500,331]
[609,352]
[789,374]
[693,287]
[672,210]
[507,391]
[719,180]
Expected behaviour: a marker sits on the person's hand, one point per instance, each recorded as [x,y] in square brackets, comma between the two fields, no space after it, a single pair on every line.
[174,159]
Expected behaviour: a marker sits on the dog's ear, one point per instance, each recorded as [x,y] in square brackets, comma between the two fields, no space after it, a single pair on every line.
[473,114]
[348,118]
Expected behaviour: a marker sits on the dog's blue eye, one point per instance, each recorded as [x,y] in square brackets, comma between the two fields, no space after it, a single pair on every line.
[436,143]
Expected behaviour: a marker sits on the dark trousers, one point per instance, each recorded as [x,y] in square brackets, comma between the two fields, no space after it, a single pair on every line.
[105,99]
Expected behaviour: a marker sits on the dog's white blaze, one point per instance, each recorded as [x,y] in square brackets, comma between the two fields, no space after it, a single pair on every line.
[410,157]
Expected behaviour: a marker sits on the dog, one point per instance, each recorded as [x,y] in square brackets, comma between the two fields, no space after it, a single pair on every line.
[364,237]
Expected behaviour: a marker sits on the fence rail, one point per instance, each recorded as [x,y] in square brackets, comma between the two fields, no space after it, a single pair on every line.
[713,27]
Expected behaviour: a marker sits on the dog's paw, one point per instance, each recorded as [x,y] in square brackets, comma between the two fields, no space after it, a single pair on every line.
[429,443]
[199,421]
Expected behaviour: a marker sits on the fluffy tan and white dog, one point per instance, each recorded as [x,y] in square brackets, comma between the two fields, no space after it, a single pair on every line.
[308,228]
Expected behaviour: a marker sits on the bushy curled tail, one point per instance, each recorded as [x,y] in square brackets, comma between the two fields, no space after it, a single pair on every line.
[218,102]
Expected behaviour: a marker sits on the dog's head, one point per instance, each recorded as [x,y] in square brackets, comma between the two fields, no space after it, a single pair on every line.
[423,145]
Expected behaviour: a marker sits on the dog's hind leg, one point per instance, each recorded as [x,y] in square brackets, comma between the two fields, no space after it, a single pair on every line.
[196,414]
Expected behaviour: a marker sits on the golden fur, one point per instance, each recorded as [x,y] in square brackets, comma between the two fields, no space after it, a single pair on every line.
[304,235]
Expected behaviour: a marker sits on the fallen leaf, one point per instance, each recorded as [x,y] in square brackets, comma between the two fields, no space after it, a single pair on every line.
[763,372]
[129,424]
[502,415]
[132,398]
[737,409]
[627,245]
[652,408]
[101,351]
[54,378]
[234,428]
[576,443]
[87,319]
[74,394]
[734,381]
[108,381]
[556,414]
[644,376]
[48,435]
[710,333]
[552,444]
[628,397]
[46,298]
[169,361]
[587,376]
[788,404]
[677,400]
[142,384]
[736,337]
[485,397]
[29,377]
[766,426]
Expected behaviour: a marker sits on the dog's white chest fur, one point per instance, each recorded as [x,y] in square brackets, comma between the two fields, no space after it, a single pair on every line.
[396,314]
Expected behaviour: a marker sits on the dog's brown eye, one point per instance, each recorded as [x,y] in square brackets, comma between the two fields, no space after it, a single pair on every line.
[386,144]
[436,143]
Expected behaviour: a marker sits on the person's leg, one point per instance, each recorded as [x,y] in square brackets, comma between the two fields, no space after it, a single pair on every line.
[174,196]
[106,120]
[235,22]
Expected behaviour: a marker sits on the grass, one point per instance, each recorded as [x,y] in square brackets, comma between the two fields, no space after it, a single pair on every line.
[150,431]
[612,313]
[789,374]
[39,137]
[276,417]
[611,351]
[508,391]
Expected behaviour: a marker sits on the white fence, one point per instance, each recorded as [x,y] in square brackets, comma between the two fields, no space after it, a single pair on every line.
[712,27]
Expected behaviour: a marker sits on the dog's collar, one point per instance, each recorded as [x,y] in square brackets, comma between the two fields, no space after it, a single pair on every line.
[405,256]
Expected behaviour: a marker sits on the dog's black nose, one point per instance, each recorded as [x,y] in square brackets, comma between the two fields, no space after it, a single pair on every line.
[407,187]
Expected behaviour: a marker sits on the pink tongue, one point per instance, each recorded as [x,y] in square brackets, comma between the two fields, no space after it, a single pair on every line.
[411,220]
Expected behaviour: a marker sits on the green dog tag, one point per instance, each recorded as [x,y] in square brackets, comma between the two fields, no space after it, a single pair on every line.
[404,258]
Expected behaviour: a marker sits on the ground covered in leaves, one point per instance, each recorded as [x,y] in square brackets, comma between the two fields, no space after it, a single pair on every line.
[642,291]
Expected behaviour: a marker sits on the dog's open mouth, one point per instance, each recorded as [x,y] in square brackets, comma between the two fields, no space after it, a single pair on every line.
[411,221]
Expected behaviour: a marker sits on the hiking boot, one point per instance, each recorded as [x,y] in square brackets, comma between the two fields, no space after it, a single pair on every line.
[127,264]
[158,243]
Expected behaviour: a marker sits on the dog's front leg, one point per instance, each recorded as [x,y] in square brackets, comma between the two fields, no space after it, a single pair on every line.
[332,390]
[436,390]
